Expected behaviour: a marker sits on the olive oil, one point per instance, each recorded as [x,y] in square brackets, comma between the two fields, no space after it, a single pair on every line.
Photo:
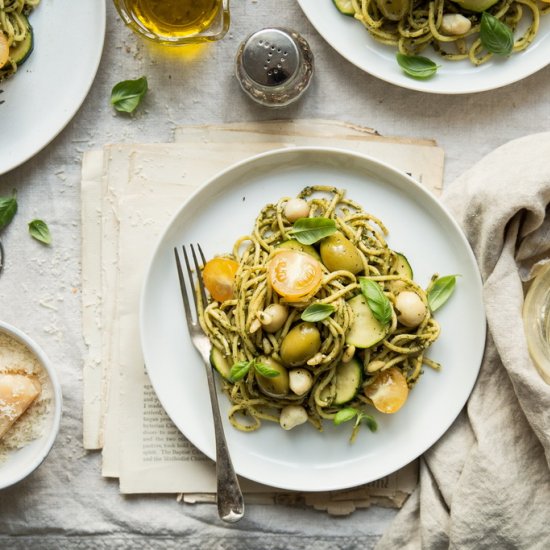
[174,19]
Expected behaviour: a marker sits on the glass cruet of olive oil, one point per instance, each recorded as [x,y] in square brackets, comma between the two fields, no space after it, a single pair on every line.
[176,22]
[536,319]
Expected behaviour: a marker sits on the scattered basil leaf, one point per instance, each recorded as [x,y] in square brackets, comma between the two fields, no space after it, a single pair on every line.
[417,66]
[264,370]
[311,230]
[377,301]
[496,37]
[8,208]
[317,312]
[238,370]
[441,291]
[40,231]
[345,415]
[127,95]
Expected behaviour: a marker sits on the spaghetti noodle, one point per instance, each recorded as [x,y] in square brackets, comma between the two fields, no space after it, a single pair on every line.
[421,23]
[15,34]
[240,336]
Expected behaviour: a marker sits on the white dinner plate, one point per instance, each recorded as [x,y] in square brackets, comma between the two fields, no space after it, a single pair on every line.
[47,90]
[303,458]
[348,37]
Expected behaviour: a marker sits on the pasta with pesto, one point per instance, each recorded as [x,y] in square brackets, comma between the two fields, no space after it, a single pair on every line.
[452,28]
[314,317]
[16,39]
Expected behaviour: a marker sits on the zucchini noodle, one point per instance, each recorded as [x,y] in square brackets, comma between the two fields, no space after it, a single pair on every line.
[421,25]
[232,325]
[15,29]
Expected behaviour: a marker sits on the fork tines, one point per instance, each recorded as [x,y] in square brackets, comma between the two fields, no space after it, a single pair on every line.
[183,286]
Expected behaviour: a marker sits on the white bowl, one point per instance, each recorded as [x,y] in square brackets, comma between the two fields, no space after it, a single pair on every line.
[20,463]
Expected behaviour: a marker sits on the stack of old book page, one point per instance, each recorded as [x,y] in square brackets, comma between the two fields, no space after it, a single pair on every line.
[129,193]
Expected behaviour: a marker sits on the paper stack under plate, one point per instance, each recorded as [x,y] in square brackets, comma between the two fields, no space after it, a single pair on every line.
[129,192]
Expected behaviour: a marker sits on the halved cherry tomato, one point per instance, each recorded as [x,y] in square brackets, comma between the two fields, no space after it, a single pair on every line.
[389,391]
[294,275]
[218,276]
[4,49]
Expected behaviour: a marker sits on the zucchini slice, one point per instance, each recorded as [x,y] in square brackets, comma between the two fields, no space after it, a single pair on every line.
[219,361]
[299,247]
[366,330]
[401,266]
[20,51]
[344,6]
[348,380]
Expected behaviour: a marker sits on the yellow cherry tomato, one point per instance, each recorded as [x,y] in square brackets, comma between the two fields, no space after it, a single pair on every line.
[389,391]
[219,275]
[294,275]
[4,49]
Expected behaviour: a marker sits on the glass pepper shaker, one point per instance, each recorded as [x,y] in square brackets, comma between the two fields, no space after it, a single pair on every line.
[274,66]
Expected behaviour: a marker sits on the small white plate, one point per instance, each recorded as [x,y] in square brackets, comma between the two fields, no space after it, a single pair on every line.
[304,459]
[22,462]
[47,90]
[349,38]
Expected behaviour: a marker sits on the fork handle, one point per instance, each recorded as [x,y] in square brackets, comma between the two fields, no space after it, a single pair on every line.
[229,495]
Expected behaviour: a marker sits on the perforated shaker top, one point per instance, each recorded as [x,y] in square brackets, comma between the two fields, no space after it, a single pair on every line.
[271,57]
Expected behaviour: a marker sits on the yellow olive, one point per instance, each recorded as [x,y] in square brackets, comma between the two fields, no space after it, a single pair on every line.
[276,386]
[394,10]
[476,5]
[338,252]
[305,248]
[300,344]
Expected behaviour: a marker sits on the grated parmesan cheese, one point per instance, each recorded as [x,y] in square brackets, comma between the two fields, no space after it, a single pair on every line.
[16,358]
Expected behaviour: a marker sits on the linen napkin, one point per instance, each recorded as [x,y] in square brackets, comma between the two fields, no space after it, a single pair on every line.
[486,483]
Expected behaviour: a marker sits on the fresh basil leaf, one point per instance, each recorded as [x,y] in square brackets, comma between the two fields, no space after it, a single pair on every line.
[311,230]
[496,37]
[370,421]
[8,208]
[441,291]
[264,370]
[317,312]
[376,299]
[417,66]
[127,95]
[40,231]
[345,415]
[238,370]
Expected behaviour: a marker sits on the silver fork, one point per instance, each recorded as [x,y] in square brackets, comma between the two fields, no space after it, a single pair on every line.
[229,496]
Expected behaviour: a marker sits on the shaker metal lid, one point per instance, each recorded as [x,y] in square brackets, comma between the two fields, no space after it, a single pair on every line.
[270,57]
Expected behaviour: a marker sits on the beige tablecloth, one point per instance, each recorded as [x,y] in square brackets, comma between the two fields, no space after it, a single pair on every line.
[486,483]
[65,504]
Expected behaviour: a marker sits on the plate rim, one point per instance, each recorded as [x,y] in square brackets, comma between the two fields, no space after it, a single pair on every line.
[71,113]
[210,452]
[416,85]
